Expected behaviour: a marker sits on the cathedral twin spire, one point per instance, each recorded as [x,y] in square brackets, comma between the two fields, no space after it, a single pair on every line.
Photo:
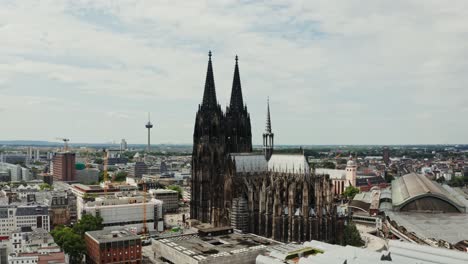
[237,102]
[209,95]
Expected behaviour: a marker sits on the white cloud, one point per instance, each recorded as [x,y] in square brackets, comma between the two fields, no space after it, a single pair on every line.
[337,72]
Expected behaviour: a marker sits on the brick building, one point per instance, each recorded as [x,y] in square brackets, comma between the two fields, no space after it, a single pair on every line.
[63,168]
[105,246]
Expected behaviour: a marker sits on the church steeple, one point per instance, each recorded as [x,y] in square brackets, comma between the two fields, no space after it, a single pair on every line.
[209,95]
[238,131]
[268,136]
[268,119]
[237,102]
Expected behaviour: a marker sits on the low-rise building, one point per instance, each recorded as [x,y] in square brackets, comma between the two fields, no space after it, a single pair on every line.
[62,206]
[118,246]
[37,258]
[27,240]
[86,193]
[34,246]
[127,211]
[13,217]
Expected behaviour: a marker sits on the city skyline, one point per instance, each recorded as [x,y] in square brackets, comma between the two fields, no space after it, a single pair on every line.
[337,74]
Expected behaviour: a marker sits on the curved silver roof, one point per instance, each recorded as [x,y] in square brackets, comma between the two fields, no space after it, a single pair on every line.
[411,187]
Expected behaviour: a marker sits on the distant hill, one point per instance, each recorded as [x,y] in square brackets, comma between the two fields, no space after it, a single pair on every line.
[28,143]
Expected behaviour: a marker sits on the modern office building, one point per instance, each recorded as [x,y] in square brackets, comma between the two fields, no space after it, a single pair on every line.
[386,155]
[119,212]
[15,171]
[86,193]
[63,166]
[170,199]
[137,170]
[119,246]
[123,145]
[13,158]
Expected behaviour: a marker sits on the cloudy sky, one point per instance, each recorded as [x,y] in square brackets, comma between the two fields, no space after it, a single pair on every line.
[337,72]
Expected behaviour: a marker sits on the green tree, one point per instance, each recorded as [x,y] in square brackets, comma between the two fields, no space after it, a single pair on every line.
[351,191]
[45,186]
[389,177]
[90,197]
[98,161]
[101,176]
[457,181]
[341,161]
[70,242]
[88,223]
[441,179]
[176,188]
[352,236]
[327,165]
[120,176]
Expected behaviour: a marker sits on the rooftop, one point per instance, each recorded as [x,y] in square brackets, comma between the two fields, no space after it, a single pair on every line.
[201,248]
[163,191]
[412,187]
[104,236]
[451,227]
[333,173]
[289,163]
[399,252]
[246,162]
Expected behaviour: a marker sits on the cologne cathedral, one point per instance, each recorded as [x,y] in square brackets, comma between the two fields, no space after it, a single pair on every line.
[271,195]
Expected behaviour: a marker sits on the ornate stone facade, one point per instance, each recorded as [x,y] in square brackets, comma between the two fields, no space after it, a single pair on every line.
[286,204]
[271,195]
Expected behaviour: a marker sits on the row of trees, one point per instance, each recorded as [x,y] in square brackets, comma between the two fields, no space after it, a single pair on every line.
[71,239]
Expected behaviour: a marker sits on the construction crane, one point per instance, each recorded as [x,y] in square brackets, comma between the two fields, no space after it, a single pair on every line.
[144,230]
[105,174]
[65,143]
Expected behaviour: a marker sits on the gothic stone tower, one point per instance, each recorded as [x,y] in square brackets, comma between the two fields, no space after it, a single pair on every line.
[238,130]
[208,157]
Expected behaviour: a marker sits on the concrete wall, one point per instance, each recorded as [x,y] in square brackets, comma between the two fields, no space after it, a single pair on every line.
[172,254]
[242,258]
[176,256]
